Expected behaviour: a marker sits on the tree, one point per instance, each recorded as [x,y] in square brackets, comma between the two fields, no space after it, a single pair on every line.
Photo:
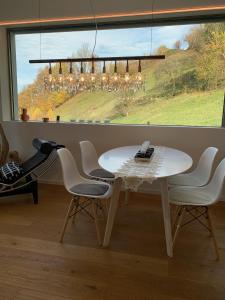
[162,50]
[177,45]
[211,59]
[195,38]
[83,52]
[35,95]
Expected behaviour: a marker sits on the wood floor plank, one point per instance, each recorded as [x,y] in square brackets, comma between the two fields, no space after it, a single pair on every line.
[34,265]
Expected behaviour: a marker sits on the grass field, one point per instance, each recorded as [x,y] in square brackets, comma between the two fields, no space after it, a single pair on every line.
[197,109]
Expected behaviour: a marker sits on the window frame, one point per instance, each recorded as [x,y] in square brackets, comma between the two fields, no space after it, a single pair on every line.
[102,25]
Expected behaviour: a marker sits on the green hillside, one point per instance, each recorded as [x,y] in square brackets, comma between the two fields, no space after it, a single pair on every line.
[202,108]
[154,104]
[88,105]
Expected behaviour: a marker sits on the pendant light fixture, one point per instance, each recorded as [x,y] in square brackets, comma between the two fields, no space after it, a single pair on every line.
[93,80]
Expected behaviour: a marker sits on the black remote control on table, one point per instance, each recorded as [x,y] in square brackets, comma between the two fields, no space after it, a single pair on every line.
[144,156]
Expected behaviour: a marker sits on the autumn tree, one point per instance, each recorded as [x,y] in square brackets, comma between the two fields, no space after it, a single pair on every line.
[177,45]
[211,59]
[195,39]
[41,101]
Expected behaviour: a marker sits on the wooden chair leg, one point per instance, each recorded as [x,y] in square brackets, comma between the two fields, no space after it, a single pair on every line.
[96,222]
[179,220]
[76,200]
[213,234]
[127,195]
[177,216]
[71,206]
[103,208]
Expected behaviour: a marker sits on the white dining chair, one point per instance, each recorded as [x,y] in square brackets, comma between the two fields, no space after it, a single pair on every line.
[90,163]
[200,175]
[90,190]
[195,202]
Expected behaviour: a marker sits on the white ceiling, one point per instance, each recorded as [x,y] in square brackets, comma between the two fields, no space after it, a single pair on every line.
[28,9]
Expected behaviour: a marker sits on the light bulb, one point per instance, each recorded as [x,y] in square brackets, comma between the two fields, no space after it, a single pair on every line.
[50,78]
[93,77]
[60,78]
[127,77]
[115,77]
[139,76]
[70,78]
[104,77]
[82,78]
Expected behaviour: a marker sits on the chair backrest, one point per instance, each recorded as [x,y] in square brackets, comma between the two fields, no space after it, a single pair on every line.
[71,175]
[42,160]
[89,157]
[215,186]
[205,164]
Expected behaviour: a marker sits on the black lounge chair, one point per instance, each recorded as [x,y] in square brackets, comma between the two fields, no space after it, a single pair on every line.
[33,168]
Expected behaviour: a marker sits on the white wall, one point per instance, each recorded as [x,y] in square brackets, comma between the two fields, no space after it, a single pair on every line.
[191,140]
[20,135]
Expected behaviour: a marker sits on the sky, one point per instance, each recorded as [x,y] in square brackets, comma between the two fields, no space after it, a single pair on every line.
[113,42]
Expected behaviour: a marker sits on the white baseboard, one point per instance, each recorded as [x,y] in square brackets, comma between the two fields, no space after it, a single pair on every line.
[51,182]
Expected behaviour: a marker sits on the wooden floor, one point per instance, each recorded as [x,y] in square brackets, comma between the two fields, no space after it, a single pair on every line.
[33,265]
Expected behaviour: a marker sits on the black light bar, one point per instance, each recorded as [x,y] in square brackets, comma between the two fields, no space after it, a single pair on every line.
[91,59]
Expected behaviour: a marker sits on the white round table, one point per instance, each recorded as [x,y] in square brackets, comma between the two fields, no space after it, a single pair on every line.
[174,162]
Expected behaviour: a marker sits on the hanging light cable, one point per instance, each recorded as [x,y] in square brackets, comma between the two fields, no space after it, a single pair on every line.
[153,2]
[96,27]
[127,75]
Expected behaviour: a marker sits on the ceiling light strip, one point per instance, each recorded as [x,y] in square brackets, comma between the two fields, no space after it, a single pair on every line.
[116,15]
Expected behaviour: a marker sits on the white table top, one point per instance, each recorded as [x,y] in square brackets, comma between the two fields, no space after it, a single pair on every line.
[174,162]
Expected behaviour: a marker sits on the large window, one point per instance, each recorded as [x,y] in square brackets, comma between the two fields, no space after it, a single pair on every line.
[187,88]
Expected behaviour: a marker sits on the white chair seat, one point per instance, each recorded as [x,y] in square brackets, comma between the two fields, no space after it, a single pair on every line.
[102,174]
[186,180]
[190,196]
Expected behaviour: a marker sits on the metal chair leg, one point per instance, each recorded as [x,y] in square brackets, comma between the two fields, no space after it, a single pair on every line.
[102,207]
[213,234]
[71,206]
